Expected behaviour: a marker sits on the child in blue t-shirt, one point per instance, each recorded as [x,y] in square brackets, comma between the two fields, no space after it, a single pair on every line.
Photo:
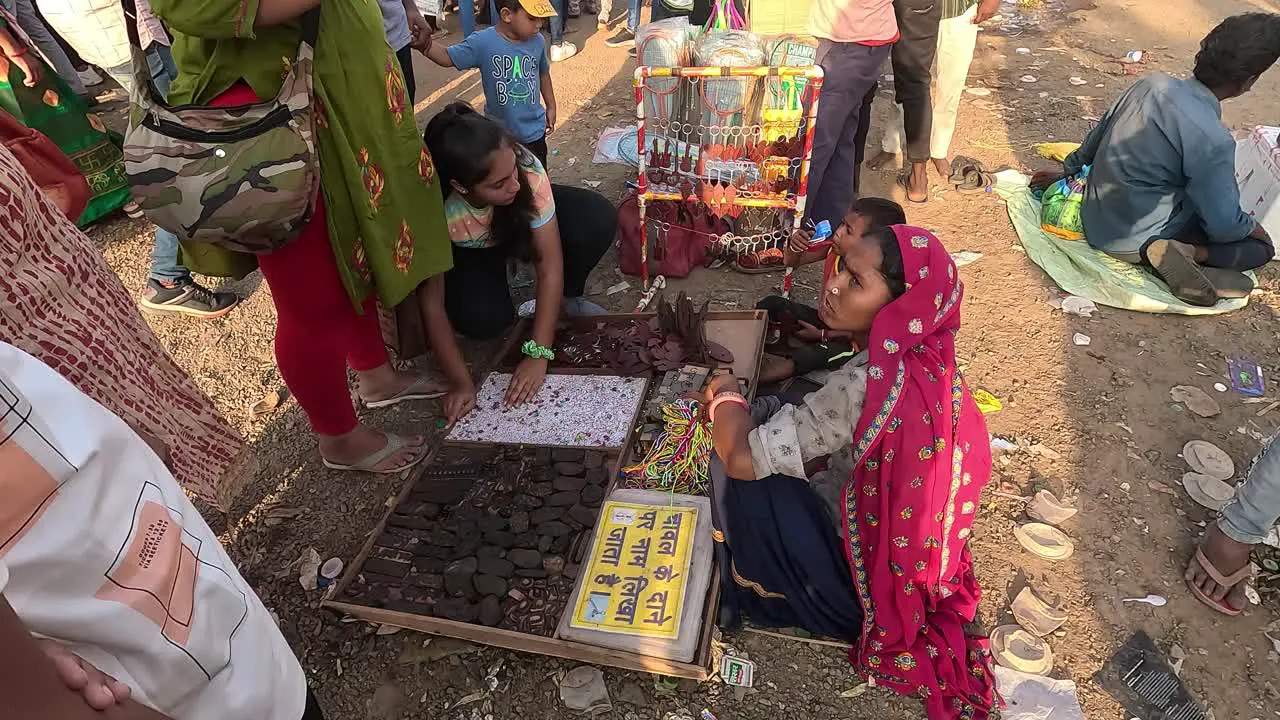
[515,70]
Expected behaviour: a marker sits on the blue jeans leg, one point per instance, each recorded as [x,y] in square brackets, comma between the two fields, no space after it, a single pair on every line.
[633,16]
[557,22]
[164,259]
[163,69]
[1251,514]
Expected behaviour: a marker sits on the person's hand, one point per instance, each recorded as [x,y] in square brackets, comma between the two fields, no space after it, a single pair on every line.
[100,691]
[801,241]
[551,119]
[30,68]
[986,10]
[724,382]
[807,332]
[526,381]
[1044,178]
[420,29]
[459,401]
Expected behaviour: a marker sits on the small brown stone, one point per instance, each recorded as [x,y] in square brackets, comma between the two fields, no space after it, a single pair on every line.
[456,609]
[567,455]
[593,459]
[553,564]
[592,495]
[570,468]
[542,515]
[500,538]
[570,484]
[491,523]
[519,522]
[527,540]
[544,543]
[554,528]
[491,584]
[458,577]
[560,544]
[584,516]
[541,490]
[526,502]
[562,499]
[490,611]
[597,476]
[500,567]
[465,548]
[525,558]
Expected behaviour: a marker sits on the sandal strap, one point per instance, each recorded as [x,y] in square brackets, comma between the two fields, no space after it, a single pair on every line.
[1226,581]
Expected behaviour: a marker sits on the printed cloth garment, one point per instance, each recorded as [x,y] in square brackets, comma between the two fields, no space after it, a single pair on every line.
[822,425]
[52,109]
[922,457]
[511,73]
[383,207]
[101,551]
[470,226]
[60,301]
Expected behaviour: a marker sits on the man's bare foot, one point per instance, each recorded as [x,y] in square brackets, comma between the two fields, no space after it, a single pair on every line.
[361,443]
[1228,557]
[385,382]
[881,159]
[916,182]
[942,166]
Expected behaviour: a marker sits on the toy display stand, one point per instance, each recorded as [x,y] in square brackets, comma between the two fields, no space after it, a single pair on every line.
[733,145]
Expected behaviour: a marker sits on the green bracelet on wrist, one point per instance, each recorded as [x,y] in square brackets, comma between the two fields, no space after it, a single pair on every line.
[536,351]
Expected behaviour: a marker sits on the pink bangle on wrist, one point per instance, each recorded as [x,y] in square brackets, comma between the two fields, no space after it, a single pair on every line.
[725,397]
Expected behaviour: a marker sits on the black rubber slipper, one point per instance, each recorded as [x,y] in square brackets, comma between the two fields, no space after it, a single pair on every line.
[1229,284]
[1172,262]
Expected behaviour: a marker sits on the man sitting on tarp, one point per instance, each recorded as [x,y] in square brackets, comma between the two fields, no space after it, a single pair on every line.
[1162,188]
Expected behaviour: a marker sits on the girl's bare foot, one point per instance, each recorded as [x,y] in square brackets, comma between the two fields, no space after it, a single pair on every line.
[942,166]
[881,159]
[1228,558]
[363,442]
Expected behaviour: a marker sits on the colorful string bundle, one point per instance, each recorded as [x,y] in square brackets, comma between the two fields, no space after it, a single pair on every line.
[680,459]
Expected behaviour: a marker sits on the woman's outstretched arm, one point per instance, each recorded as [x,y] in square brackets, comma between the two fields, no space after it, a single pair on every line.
[444,343]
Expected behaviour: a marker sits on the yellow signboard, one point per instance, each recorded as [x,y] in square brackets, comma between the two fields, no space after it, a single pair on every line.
[635,580]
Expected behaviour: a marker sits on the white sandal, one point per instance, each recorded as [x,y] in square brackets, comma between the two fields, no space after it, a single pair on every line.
[423,388]
[395,443]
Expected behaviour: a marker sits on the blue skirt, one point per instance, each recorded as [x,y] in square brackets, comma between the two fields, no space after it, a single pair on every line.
[782,564]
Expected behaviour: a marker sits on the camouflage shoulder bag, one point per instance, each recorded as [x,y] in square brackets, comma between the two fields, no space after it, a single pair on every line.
[243,177]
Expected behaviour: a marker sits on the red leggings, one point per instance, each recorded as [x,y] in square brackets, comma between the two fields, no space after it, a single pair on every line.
[319,333]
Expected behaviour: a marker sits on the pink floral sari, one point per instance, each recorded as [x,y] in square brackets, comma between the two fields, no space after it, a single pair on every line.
[922,457]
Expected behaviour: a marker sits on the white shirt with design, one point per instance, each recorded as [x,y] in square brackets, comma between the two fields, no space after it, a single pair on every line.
[106,555]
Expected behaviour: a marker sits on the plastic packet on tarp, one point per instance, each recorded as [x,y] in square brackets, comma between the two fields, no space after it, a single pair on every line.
[1060,207]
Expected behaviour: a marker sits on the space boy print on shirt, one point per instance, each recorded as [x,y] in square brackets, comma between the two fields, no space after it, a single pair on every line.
[516,79]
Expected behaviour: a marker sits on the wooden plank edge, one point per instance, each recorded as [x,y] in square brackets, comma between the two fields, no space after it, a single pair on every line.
[523,642]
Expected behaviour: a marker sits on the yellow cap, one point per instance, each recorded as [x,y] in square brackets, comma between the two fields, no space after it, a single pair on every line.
[539,8]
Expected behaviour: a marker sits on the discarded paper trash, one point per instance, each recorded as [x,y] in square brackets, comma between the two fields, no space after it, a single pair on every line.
[737,672]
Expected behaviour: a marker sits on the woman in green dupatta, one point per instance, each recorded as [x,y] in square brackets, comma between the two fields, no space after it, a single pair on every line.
[378,230]
[51,108]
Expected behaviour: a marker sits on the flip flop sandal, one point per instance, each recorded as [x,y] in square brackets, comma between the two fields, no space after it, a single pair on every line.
[975,181]
[1020,650]
[1208,492]
[960,165]
[1046,508]
[420,389]
[761,261]
[133,210]
[1229,284]
[1229,581]
[395,443]
[1185,278]
[1208,459]
[902,181]
[1035,615]
[1044,541]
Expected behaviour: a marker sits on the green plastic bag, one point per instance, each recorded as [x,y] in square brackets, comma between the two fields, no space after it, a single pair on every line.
[1060,207]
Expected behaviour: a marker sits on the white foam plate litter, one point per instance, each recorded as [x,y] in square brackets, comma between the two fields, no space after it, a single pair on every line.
[1208,459]
[1044,541]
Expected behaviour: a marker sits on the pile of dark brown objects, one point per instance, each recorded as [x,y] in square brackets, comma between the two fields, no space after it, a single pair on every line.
[674,337]
[495,537]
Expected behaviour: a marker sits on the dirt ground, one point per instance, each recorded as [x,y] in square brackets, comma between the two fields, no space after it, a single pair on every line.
[1103,411]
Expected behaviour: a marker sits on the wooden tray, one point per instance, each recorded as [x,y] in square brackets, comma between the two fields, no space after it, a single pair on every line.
[698,669]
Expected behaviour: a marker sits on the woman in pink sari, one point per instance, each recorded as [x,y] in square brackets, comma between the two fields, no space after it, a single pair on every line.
[873,546]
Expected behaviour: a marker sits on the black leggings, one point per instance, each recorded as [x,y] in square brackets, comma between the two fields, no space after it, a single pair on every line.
[476,295]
